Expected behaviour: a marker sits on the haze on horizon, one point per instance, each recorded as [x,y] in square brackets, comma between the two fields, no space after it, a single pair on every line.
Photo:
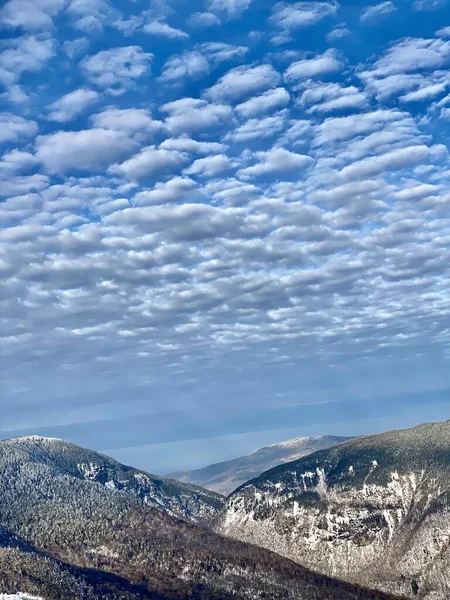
[223,223]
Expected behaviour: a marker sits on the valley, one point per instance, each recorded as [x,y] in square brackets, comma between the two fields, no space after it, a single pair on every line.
[66,534]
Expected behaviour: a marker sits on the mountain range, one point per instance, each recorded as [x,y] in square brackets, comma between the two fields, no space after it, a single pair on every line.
[177,499]
[373,511]
[76,525]
[225,477]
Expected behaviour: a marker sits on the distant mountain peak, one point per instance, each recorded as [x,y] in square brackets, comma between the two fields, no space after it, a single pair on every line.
[36,439]
[225,477]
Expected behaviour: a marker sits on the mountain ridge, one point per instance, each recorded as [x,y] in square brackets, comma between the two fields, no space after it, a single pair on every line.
[65,537]
[374,510]
[225,476]
[177,498]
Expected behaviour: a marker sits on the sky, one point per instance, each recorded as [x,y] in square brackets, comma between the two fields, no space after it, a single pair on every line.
[223,223]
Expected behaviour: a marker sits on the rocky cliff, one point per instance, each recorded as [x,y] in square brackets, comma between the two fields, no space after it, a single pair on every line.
[374,510]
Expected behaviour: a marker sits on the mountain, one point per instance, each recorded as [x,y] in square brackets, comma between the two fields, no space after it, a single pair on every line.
[374,511]
[177,499]
[224,477]
[65,536]
[24,567]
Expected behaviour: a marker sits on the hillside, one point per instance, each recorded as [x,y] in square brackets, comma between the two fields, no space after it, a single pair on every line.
[225,477]
[67,537]
[178,499]
[374,510]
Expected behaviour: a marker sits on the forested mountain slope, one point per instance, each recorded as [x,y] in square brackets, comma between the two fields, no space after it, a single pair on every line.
[64,537]
[374,510]
[178,499]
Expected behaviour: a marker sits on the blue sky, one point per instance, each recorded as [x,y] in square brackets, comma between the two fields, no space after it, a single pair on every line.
[222,223]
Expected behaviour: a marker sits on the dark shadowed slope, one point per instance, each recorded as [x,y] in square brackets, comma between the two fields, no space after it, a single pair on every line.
[374,510]
[225,477]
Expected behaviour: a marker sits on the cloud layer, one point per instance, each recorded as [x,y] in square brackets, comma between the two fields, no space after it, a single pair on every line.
[224,204]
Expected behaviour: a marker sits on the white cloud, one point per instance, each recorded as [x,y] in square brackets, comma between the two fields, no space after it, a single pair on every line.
[258,105]
[86,150]
[13,93]
[117,68]
[197,63]
[416,192]
[218,52]
[386,87]
[30,15]
[297,132]
[338,33]
[338,129]
[203,20]
[424,5]
[411,54]
[258,128]
[177,189]
[149,161]
[377,12]
[130,121]
[328,62]
[162,29]
[332,237]
[209,166]
[71,105]
[231,191]
[301,14]
[344,193]
[90,16]
[425,93]
[75,47]
[186,144]
[21,185]
[395,159]
[185,66]
[332,96]
[445,113]
[27,53]
[442,102]
[187,115]
[13,127]
[444,32]
[243,81]
[277,160]
[16,160]
[401,67]
[128,26]
[183,220]
[232,8]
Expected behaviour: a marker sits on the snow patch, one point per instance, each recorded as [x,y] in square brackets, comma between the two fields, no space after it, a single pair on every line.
[89,470]
[103,551]
[322,484]
[19,596]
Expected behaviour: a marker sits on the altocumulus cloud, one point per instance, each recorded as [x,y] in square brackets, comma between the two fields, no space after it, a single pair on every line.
[213,207]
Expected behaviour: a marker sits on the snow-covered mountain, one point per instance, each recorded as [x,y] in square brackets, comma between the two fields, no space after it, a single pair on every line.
[177,499]
[224,477]
[68,533]
[374,510]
